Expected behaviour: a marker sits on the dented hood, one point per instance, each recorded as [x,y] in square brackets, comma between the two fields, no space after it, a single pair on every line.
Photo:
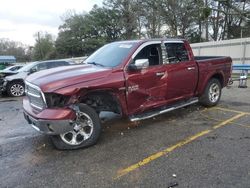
[57,78]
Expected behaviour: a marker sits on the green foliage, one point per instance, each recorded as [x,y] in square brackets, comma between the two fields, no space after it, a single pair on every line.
[196,20]
[81,34]
[44,47]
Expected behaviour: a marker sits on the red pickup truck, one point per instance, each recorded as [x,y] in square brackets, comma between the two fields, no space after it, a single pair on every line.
[138,79]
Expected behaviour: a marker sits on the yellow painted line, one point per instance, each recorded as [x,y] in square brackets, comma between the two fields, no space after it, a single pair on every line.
[157,155]
[230,110]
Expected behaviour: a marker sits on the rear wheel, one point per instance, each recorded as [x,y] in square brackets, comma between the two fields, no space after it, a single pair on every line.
[86,131]
[212,93]
[15,89]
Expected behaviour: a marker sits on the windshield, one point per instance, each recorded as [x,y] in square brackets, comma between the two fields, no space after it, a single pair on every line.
[111,54]
[27,67]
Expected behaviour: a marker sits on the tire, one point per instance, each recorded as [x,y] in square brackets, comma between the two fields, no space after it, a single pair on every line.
[86,134]
[15,89]
[212,93]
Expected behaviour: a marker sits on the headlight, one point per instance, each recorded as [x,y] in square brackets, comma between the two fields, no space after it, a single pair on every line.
[56,100]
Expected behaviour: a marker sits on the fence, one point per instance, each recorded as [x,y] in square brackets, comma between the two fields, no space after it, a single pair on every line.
[237,49]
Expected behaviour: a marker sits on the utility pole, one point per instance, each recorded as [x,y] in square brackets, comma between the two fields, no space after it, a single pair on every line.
[206,24]
[39,45]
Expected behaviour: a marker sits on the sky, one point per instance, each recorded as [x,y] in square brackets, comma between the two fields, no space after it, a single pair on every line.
[21,19]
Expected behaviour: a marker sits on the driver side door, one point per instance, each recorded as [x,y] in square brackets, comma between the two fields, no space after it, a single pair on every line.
[146,87]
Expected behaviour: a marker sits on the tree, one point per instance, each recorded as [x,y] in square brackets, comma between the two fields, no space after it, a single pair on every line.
[81,34]
[226,21]
[127,15]
[196,20]
[44,47]
[14,48]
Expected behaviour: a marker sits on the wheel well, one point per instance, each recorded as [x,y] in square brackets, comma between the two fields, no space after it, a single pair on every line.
[12,81]
[220,78]
[102,101]
[18,80]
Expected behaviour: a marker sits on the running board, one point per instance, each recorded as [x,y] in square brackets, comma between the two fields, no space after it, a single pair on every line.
[163,110]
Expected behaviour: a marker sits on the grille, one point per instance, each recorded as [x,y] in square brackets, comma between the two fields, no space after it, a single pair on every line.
[35,97]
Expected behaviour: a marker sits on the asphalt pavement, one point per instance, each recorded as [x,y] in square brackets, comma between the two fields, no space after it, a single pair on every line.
[190,147]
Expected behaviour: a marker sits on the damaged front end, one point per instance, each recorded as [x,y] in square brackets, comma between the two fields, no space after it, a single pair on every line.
[49,113]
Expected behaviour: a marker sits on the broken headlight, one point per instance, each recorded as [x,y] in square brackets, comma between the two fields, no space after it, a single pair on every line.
[56,100]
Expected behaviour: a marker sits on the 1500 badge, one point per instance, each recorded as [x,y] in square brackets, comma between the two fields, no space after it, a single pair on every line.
[133,88]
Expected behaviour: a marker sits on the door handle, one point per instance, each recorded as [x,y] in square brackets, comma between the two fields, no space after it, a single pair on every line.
[160,73]
[190,68]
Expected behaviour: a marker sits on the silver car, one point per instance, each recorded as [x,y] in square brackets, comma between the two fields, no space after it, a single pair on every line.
[13,82]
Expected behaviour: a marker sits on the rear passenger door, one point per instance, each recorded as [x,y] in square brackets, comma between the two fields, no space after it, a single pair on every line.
[182,72]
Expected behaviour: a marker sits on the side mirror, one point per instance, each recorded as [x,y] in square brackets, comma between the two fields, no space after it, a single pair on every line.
[32,71]
[139,64]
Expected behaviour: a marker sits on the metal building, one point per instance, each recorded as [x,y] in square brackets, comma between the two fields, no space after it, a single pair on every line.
[6,60]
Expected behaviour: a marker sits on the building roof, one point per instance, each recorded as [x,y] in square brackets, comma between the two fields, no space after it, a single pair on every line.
[7,59]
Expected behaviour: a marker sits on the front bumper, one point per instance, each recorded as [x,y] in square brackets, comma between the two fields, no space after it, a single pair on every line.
[49,121]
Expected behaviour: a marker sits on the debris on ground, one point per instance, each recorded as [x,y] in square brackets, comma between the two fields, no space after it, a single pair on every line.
[40,147]
[173,184]
[174,175]
[122,133]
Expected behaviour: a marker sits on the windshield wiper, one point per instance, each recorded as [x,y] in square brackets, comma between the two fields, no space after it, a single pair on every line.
[94,63]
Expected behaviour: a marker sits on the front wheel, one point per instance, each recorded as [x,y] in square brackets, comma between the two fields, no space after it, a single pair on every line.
[212,93]
[86,131]
[15,89]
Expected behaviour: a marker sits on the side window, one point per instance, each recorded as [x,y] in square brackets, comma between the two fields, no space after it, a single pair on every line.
[14,68]
[152,53]
[56,64]
[39,67]
[51,64]
[176,52]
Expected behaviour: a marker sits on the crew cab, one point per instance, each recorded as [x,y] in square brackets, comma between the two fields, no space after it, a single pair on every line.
[138,79]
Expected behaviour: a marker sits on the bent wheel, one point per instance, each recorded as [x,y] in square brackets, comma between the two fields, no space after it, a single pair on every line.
[86,131]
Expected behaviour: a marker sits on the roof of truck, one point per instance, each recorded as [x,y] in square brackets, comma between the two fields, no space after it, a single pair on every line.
[148,40]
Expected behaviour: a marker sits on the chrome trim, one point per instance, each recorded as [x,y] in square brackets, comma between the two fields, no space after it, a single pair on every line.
[50,127]
[38,88]
[163,111]
[160,73]
[33,95]
[143,45]
[174,41]
[190,68]
[38,107]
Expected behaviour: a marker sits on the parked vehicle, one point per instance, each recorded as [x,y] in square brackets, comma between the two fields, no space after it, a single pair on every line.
[12,68]
[13,81]
[138,79]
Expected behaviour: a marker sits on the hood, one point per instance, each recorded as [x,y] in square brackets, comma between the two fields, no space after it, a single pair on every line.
[7,73]
[57,78]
